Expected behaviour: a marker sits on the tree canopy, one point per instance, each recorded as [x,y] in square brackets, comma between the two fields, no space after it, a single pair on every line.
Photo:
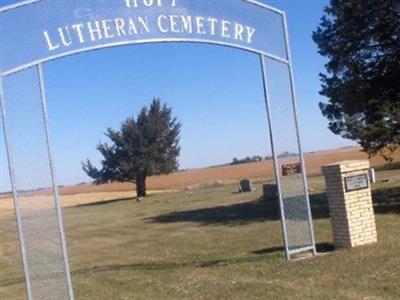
[144,146]
[361,40]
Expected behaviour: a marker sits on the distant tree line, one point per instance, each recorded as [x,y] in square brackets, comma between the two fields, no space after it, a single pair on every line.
[287,154]
[249,159]
[258,158]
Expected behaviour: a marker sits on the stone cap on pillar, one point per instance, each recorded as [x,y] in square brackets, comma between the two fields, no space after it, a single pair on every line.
[346,166]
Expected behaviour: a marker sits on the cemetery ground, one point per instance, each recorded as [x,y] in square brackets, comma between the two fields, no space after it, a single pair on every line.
[215,243]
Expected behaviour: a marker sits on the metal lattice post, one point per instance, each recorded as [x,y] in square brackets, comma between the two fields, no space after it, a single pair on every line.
[295,113]
[43,101]
[276,168]
[14,191]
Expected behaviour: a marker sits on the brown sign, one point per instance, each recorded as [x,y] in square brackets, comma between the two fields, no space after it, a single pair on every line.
[291,169]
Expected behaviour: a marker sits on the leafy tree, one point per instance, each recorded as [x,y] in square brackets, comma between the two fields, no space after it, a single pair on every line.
[144,146]
[361,39]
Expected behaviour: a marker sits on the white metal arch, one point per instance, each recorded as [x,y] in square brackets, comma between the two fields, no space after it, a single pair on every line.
[39,65]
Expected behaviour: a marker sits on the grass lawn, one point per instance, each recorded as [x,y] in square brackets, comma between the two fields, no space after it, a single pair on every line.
[213,243]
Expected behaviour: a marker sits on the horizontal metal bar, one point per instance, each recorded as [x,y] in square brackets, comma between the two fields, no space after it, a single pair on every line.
[28,2]
[135,42]
[17,5]
[278,11]
[301,249]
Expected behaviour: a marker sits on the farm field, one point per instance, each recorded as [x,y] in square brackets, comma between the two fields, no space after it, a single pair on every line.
[214,243]
[190,179]
[228,174]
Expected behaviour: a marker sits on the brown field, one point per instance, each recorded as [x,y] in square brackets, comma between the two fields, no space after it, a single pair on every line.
[192,179]
[210,243]
[227,174]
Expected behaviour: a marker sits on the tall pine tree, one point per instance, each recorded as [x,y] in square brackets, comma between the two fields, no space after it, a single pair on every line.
[361,40]
[144,146]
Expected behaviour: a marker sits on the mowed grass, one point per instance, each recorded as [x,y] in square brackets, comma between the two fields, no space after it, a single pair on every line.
[214,243]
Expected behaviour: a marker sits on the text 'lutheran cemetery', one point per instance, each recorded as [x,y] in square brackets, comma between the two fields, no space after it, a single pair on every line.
[105,29]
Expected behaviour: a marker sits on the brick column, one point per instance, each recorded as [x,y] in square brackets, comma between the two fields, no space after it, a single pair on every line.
[350,203]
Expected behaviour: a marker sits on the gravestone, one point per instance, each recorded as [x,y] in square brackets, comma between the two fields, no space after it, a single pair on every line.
[270,192]
[245,186]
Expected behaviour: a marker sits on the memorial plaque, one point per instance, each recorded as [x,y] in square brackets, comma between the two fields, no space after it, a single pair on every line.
[357,182]
[291,169]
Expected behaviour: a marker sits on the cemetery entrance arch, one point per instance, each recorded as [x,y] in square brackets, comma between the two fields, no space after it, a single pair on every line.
[34,32]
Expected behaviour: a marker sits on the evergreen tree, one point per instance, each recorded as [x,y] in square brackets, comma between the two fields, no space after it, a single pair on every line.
[144,146]
[361,39]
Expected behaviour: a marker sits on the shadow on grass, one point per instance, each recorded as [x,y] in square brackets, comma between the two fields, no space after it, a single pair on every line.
[385,201]
[235,214]
[321,248]
[153,266]
[166,266]
[252,257]
[105,202]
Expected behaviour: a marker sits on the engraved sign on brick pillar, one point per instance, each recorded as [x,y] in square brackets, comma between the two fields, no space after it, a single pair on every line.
[350,203]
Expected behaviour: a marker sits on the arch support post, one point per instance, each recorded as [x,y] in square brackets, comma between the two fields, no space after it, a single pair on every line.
[17,209]
[289,165]
[38,213]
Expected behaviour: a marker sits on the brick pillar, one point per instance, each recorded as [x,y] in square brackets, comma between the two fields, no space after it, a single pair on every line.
[350,203]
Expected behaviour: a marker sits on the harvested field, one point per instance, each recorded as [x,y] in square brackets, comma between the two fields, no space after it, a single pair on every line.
[192,179]
[35,202]
[214,243]
[227,174]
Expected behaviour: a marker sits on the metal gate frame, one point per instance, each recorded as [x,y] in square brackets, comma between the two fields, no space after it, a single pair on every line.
[39,67]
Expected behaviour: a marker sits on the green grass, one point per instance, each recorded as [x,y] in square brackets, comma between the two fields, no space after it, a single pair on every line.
[214,244]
